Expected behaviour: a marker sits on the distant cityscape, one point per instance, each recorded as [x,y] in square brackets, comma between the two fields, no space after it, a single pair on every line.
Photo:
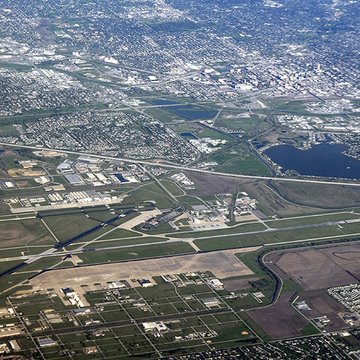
[179,179]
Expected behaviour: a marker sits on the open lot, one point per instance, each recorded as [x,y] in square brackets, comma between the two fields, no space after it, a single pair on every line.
[26,172]
[239,284]
[223,264]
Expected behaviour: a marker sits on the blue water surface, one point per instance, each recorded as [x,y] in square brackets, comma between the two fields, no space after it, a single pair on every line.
[324,160]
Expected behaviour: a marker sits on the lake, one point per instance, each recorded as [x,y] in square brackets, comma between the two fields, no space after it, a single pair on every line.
[324,160]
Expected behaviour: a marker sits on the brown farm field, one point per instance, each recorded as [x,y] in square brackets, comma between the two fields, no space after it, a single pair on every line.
[318,268]
[314,270]
[280,320]
[322,304]
[207,184]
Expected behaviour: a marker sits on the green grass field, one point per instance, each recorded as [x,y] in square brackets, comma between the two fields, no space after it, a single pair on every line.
[124,242]
[24,232]
[242,228]
[250,125]
[319,195]
[273,237]
[173,188]
[238,159]
[153,192]
[311,220]
[67,226]
[136,253]
[119,234]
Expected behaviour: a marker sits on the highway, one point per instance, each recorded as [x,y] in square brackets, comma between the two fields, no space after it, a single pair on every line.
[187,168]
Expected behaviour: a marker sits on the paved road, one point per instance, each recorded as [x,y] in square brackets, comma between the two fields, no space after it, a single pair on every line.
[187,168]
